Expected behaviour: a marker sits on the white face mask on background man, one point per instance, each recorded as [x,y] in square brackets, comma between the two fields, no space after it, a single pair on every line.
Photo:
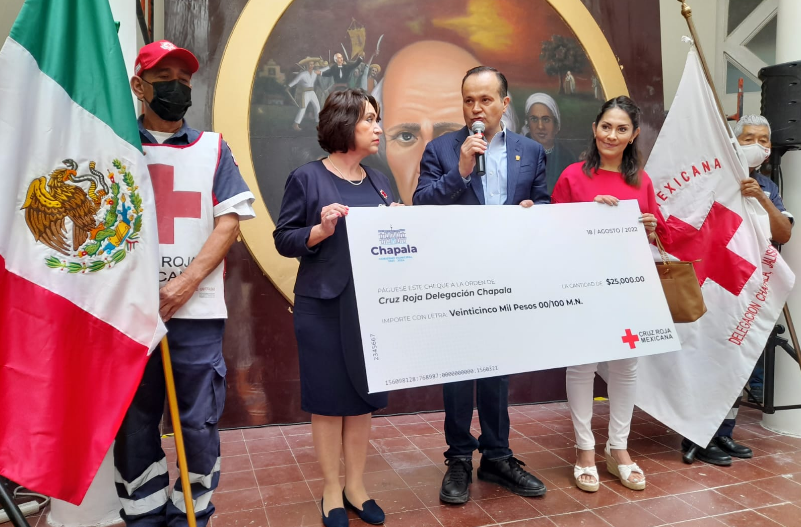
[755,154]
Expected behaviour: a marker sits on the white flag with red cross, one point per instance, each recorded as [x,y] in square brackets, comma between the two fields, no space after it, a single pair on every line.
[696,174]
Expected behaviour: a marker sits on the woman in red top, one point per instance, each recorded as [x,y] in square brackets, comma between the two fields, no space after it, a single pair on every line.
[611,172]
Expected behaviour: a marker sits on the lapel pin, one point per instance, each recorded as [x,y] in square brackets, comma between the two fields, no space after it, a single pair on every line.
[517,158]
[383,194]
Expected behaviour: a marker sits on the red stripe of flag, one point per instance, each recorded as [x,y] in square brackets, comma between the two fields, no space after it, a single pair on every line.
[66,381]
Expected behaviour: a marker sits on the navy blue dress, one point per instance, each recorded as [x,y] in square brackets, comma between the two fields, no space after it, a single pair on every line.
[327,329]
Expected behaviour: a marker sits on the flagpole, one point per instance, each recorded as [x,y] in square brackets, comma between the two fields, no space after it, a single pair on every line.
[179,435]
[687,13]
[791,329]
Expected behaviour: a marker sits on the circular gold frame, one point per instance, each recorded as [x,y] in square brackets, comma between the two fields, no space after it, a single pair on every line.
[231,109]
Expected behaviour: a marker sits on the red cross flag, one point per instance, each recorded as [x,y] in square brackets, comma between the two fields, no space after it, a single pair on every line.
[696,173]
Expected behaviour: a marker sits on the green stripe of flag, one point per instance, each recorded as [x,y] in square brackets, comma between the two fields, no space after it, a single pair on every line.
[75,43]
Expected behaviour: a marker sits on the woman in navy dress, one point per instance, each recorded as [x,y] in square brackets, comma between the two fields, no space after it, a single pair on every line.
[311,226]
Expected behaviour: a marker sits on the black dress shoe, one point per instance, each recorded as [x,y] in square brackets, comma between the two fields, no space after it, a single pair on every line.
[713,455]
[369,513]
[689,449]
[456,483]
[728,445]
[336,517]
[509,473]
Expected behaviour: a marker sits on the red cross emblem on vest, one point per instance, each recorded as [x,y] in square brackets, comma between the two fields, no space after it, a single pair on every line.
[171,203]
[709,244]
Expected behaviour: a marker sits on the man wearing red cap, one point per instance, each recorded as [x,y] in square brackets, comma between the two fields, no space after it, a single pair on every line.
[200,199]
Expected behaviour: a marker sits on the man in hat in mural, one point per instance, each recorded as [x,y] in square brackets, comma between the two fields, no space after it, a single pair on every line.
[305,82]
[369,78]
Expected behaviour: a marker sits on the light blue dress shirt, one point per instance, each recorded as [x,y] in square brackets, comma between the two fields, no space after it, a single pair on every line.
[494,181]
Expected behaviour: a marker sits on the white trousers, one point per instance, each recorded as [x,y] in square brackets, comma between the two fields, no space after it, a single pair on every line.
[309,97]
[622,386]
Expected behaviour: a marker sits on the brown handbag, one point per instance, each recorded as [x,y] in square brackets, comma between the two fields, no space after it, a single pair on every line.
[682,291]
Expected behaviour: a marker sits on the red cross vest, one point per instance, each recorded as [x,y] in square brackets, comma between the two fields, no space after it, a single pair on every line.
[183,178]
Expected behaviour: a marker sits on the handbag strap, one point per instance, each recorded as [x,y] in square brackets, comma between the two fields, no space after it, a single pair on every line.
[662,252]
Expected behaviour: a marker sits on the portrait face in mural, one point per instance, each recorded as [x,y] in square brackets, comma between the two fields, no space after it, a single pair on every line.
[421,99]
[543,124]
[411,55]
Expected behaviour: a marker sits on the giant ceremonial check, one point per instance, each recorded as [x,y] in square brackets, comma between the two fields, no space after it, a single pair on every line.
[459,292]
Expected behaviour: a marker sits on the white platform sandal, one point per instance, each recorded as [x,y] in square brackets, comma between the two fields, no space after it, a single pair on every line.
[586,471]
[624,472]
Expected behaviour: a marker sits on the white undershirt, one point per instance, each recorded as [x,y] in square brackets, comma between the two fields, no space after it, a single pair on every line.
[160,137]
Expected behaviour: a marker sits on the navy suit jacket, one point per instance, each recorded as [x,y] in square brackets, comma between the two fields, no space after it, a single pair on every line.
[441,184]
[325,269]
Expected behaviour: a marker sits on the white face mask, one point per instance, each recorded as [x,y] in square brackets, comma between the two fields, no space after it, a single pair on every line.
[755,154]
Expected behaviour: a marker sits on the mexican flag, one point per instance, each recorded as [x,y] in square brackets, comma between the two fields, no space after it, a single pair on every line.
[78,246]
[696,170]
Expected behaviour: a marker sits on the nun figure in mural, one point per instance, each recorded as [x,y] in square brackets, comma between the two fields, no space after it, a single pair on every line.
[542,124]
[570,84]
[596,89]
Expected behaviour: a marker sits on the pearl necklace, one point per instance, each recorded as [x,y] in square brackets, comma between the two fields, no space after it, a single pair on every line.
[346,179]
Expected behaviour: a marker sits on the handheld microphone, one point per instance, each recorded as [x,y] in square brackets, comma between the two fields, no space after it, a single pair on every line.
[481,164]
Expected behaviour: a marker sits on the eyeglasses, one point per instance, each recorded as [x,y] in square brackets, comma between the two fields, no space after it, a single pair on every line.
[534,120]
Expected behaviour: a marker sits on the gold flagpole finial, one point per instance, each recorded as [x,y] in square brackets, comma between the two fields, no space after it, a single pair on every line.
[686,10]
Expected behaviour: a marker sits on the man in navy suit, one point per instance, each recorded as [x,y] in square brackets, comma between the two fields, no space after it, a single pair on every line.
[515,175]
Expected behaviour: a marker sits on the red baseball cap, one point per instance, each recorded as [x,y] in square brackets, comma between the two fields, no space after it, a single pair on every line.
[153,53]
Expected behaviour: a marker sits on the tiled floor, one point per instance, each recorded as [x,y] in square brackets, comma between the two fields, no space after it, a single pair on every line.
[270,477]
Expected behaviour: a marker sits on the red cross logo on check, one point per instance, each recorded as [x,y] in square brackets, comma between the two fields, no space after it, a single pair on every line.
[171,203]
[630,339]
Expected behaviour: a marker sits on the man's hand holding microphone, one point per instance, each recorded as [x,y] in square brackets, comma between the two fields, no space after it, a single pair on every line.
[472,152]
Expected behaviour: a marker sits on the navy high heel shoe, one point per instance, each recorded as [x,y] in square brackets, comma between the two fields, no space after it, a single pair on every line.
[336,517]
[369,513]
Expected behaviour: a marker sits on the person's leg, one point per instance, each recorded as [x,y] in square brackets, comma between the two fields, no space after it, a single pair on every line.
[141,474]
[301,112]
[726,428]
[327,436]
[622,387]
[355,439]
[458,399]
[723,438]
[579,381]
[492,400]
[756,384]
[199,371]
[315,102]
[498,465]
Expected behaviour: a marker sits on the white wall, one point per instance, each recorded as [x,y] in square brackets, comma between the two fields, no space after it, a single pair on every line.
[674,51]
[9,9]
[124,11]
[706,15]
